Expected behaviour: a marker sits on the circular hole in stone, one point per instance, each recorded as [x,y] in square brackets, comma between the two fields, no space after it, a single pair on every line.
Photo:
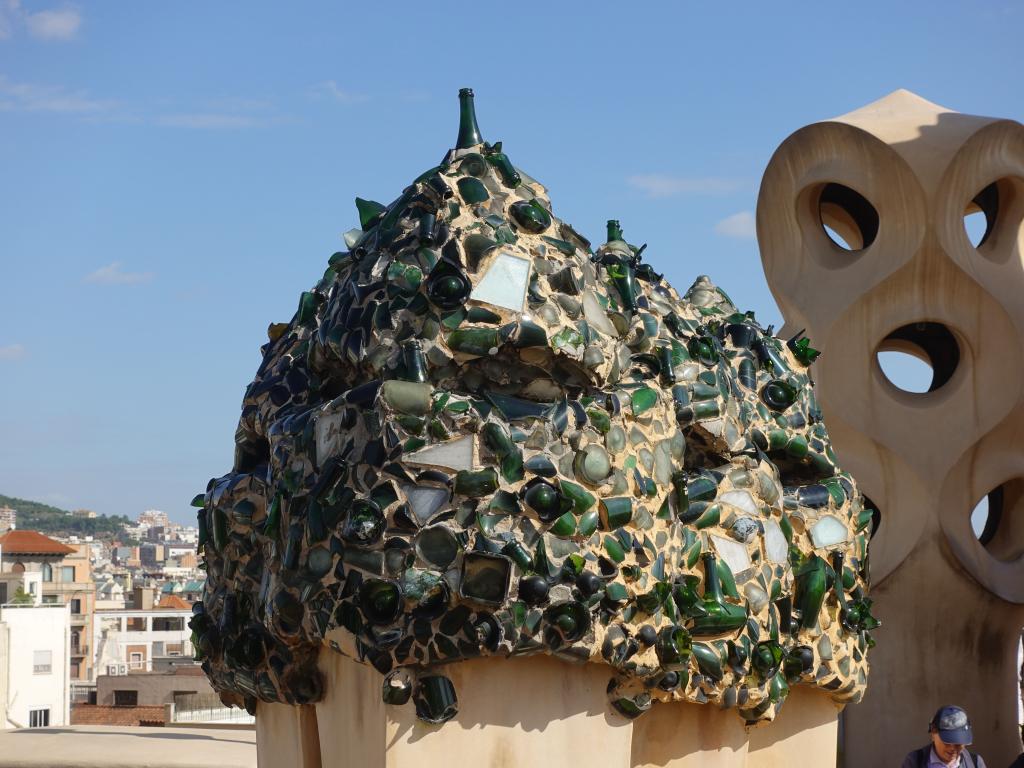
[980,215]
[919,357]
[985,516]
[876,516]
[996,520]
[849,220]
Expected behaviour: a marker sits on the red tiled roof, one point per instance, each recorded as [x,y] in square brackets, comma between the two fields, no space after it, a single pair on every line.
[173,601]
[32,543]
[103,714]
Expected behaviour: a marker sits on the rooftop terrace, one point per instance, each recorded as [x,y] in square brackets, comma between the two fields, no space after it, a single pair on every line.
[85,746]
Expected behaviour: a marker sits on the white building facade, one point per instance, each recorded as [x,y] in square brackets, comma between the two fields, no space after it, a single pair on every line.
[129,640]
[35,683]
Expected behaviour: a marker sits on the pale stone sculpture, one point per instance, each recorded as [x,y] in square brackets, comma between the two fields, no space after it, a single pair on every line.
[894,179]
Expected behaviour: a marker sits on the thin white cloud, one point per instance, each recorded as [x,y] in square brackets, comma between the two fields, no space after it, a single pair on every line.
[58,24]
[54,25]
[112,274]
[31,97]
[9,15]
[206,120]
[660,185]
[740,225]
[18,96]
[331,90]
[12,352]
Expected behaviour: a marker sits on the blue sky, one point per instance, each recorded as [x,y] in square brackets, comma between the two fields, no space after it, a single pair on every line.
[173,175]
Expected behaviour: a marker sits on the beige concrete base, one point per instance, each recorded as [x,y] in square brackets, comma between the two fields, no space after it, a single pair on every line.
[100,746]
[512,710]
[288,735]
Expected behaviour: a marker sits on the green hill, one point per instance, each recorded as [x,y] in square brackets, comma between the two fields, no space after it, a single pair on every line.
[34,516]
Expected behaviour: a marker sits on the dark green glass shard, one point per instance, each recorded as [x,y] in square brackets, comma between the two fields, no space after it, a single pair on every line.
[369,210]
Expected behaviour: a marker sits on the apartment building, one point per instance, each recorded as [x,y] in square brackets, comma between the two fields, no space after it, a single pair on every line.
[34,680]
[65,578]
[133,639]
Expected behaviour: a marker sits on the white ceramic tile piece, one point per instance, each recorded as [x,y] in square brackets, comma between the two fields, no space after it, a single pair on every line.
[776,548]
[732,552]
[454,454]
[505,282]
[829,530]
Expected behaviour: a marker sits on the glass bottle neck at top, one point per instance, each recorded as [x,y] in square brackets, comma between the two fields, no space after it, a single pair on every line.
[469,131]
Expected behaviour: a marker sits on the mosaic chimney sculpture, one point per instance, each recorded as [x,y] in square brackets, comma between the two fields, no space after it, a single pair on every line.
[894,181]
[481,438]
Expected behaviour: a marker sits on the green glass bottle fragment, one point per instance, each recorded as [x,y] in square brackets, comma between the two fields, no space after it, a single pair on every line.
[620,263]
[509,175]
[674,648]
[485,577]
[369,211]
[472,190]
[497,438]
[546,500]
[643,399]
[476,484]
[409,397]
[712,615]
[766,658]
[469,131]
[709,660]
[435,698]
[530,216]
[811,585]
[380,601]
[475,341]
[414,361]
[778,394]
[801,348]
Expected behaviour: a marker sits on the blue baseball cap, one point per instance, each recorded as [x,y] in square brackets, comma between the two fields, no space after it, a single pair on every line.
[952,725]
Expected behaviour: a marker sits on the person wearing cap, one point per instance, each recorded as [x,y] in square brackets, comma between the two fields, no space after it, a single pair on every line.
[951,733]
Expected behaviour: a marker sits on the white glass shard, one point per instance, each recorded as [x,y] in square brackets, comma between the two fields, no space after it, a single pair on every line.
[328,433]
[776,548]
[829,530]
[504,283]
[425,501]
[454,454]
[352,237]
[596,315]
[756,596]
[741,500]
[732,552]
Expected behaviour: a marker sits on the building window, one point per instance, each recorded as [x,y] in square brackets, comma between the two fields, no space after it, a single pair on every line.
[38,718]
[47,572]
[137,624]
[135,661]
[126,698]
[175,649]
[42,663]
[171,624]
[76,669]
[51,599]
[76,605]
[67,573]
